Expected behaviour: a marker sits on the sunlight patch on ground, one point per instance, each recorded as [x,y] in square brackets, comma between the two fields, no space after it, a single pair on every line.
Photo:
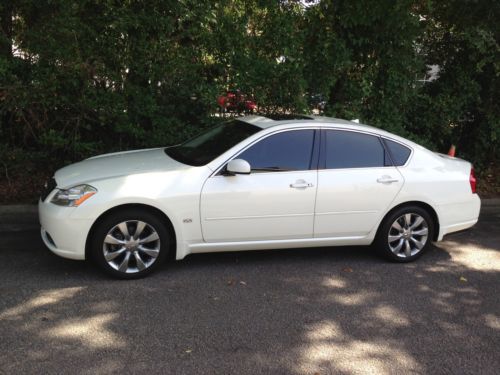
[392,316]
[351,299]
[110,366]
[324,331]
[92,332]
[45,298]
[332,282]
[492,321]
[329,350]
[474,256]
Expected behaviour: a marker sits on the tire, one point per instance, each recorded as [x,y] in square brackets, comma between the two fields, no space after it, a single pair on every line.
[405,234]
[123,253]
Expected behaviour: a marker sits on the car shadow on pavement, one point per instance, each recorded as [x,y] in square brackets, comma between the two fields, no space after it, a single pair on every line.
[301,311]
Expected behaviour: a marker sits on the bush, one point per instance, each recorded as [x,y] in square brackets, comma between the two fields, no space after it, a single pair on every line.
[89,77]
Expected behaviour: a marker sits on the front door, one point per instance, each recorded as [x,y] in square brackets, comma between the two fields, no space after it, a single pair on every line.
[275,201]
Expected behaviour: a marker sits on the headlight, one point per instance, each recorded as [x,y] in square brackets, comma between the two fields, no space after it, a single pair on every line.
[74,196]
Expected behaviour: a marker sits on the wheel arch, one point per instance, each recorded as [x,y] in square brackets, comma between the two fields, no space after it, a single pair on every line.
[146,207]
[427,207]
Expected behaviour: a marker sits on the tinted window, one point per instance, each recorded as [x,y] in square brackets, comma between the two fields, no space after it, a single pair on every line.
[398,152]
[214,142]
[345,149]
[291,150]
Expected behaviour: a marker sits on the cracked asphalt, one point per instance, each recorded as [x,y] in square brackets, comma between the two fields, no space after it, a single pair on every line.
[306,311]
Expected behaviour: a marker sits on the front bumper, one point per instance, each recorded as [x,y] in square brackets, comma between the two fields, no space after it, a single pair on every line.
[63,234]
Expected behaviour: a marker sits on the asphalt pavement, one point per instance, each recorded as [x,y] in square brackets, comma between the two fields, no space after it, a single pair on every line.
[306,311]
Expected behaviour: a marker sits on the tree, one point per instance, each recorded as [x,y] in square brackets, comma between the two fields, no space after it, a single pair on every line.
[461,106]
[86,77]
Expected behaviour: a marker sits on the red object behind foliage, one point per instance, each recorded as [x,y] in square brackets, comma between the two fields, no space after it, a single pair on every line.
[473,180]
[235,101]
[452,151]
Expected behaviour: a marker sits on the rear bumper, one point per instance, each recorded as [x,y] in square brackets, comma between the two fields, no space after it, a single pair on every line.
[458,217]
[460,227]
[63,235]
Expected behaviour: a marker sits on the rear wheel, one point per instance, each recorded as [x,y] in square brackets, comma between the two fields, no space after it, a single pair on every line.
[130,244]
[405,234]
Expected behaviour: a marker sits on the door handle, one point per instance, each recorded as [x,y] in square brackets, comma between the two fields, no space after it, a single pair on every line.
[386,180]
[301,184]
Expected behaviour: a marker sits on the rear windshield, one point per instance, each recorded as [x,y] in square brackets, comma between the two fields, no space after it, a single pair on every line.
[207,146]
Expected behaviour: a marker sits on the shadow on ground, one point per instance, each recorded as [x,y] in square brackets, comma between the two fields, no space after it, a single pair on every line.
[301,311]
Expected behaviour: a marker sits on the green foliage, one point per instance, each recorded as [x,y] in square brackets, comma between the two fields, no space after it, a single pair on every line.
[85,77]
[363,58]
[461,106]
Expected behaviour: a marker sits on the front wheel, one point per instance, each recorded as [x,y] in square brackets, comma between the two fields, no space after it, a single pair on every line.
[405,234]
[130,244]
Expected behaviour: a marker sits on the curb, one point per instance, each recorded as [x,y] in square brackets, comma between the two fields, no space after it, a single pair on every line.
[18,218]
[18,209]
[490,202]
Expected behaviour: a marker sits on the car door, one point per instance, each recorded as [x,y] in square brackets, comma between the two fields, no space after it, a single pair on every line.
[275,201]
[356,184]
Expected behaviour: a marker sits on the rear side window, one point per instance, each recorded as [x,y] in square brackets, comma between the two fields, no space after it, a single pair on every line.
[345,149]
[286,151]
[398,152]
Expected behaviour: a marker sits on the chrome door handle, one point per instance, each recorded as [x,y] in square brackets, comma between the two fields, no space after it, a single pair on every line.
[301,184]
[386,180]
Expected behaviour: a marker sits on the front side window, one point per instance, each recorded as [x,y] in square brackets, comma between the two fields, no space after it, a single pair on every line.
[286,151]
[346,149]
[207,146]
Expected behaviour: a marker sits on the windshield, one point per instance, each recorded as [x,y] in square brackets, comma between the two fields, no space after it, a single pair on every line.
[207,146]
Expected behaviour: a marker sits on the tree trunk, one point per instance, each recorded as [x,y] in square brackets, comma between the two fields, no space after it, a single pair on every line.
[6,30]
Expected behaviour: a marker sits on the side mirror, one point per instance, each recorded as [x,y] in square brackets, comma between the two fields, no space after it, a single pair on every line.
[238,166]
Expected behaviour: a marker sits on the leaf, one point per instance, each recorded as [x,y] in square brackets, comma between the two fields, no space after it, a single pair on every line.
[463,279]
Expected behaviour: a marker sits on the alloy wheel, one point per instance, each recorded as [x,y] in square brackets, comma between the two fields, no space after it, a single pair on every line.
[408,235]
[131,246]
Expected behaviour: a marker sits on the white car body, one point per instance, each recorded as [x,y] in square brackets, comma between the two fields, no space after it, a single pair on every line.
[211,212]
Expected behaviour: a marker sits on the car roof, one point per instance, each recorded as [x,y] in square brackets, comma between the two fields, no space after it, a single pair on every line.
[268,121]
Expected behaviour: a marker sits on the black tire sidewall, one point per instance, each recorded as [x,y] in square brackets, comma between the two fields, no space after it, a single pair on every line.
[115,218]
[381,240]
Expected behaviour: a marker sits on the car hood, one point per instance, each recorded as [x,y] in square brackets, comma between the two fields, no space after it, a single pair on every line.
[114,165]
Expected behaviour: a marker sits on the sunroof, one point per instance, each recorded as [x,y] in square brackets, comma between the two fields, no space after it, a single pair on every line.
[285,116]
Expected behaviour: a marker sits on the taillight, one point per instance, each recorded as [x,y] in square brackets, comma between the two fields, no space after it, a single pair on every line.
[472,180]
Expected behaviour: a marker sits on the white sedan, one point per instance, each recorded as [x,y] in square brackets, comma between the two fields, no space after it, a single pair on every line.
[258,183]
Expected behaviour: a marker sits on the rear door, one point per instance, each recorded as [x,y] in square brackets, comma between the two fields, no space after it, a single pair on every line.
[356,184]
